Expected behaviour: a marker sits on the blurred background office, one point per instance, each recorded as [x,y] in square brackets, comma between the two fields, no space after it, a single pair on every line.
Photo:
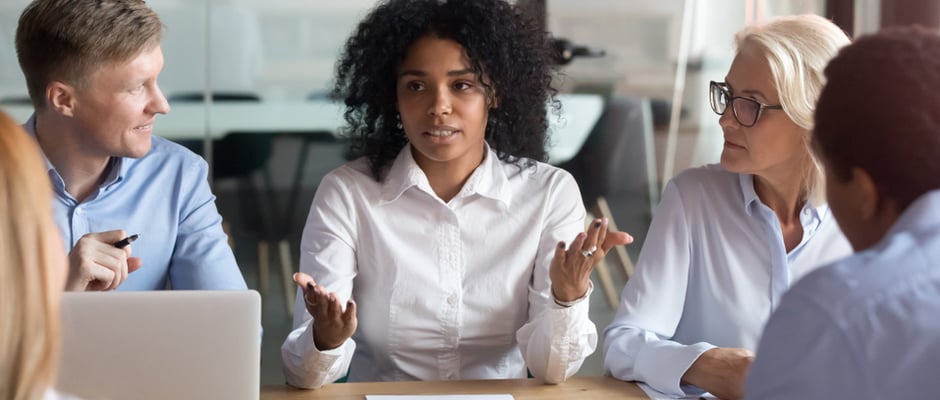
[249,83]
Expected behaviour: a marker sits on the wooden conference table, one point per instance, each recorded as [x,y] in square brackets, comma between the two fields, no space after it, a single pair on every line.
[594,388]
[188,120]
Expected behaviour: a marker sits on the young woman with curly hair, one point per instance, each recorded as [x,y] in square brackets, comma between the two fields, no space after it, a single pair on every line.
[448,230]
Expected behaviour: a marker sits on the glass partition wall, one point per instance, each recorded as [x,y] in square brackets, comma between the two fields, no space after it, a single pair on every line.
[283,51]
[229,50]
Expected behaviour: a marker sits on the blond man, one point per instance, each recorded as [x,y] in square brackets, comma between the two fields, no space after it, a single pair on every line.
[91,68]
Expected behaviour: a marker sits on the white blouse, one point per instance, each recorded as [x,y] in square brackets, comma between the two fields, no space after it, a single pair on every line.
[713,268]
[456,290]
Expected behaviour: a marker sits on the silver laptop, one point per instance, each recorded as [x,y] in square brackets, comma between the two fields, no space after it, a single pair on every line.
[161,345]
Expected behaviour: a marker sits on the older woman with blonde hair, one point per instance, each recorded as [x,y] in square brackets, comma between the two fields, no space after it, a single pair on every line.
[727,240]
[32,270]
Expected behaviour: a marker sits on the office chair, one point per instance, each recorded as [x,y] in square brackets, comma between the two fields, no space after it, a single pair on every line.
[615,170]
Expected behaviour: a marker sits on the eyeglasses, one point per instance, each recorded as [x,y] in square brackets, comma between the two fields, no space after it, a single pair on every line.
[746,111]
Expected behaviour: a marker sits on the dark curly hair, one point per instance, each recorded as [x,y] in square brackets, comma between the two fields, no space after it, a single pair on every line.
[880,111]
[515,53]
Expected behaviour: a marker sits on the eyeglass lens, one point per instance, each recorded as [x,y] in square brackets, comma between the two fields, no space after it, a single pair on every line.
[745,110]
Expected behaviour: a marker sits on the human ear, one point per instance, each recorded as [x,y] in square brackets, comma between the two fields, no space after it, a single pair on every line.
[60,97]
[866,193]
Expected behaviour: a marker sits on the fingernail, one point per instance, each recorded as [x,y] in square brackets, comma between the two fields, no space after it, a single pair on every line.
[309,286]
[561,245]
[597,224]
[582,235]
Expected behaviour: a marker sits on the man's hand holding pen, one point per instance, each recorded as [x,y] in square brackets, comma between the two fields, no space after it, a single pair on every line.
[332,325]
[101,261]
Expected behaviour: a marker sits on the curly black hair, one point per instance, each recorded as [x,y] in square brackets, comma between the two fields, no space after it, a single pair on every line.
[515,53]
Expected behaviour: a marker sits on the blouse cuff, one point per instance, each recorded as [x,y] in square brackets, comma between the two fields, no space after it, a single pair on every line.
[567,304]
[663,366]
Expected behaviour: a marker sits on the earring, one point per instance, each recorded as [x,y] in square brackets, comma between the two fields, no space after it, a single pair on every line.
[398,122]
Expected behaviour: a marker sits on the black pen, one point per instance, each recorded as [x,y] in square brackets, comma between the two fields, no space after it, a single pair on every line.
[126,241]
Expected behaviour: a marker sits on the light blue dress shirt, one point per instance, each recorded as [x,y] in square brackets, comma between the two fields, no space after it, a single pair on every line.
[713,267]
[868,327]
[165,197]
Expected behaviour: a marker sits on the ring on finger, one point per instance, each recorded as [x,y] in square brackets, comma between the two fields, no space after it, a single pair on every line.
[589,252]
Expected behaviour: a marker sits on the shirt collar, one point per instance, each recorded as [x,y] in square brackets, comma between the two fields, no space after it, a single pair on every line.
[923,212]
[116,166]
[751,201]
[30,128]
[487,180]
[746,182]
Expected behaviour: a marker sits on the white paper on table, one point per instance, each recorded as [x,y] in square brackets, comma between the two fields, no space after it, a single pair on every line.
[657,395]
[441,397]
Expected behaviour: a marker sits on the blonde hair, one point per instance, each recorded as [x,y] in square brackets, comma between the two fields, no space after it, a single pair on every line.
[797,48]
[29,286]
[69,39]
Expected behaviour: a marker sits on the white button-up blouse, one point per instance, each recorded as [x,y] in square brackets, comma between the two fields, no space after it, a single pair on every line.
[456,290]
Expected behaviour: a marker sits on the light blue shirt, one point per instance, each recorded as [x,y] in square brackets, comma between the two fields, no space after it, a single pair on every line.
[868,327]
[165,197]
[713,267]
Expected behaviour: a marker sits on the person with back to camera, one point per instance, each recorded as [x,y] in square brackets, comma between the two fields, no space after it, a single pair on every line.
[728,240]
[33,269]
[866,326]
[91,69]
[449,232]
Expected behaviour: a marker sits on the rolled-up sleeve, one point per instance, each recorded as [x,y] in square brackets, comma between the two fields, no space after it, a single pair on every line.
[329,256]
[556,340]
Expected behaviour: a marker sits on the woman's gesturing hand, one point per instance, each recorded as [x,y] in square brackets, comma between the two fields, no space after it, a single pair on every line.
[331,324]
[571,268]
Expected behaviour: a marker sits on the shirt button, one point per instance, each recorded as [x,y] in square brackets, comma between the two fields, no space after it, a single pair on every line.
[452,299]
[78,211]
